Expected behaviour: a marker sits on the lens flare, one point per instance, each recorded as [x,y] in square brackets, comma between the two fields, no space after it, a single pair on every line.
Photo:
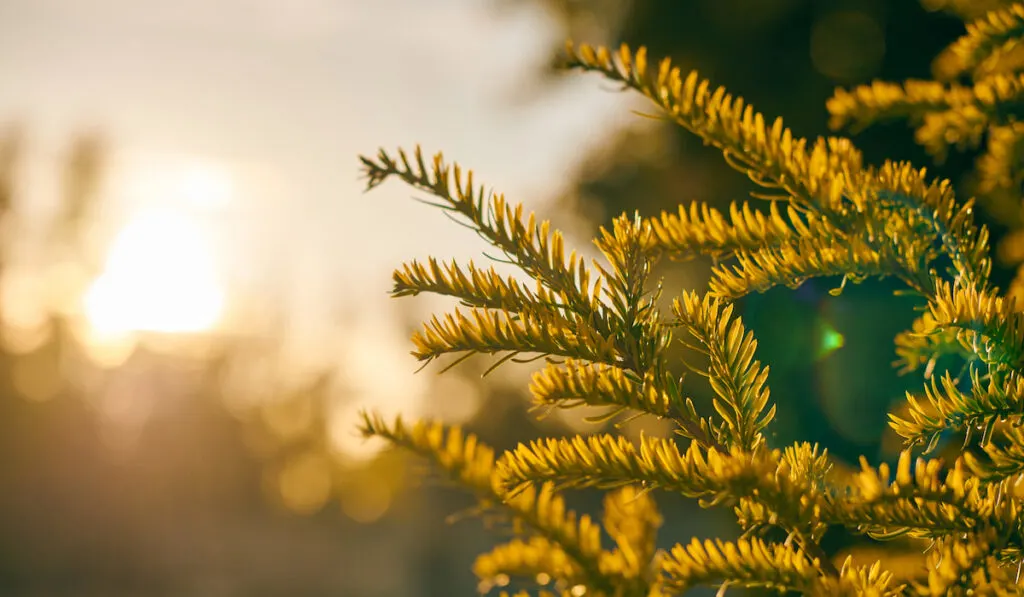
[829,340]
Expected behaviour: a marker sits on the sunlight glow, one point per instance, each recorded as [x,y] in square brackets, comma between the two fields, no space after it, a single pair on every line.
[158,277]
[176,181]
[204,187]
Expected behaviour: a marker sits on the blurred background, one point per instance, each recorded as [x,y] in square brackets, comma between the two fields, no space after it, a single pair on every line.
[193,287]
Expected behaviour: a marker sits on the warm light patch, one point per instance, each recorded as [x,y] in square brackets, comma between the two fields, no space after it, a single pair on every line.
[158,277]
[205,187]
[343,436]
[305,483]
[454,400]
[369,501]
[168,181]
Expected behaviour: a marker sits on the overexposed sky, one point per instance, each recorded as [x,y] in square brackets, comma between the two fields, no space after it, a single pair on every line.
[281,97]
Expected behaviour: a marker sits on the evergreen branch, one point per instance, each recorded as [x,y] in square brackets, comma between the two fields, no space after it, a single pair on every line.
[535,248]
[473,286]
[603,461]
[962,566]
[703,230]
[804,466]
[485,289]
[471,463]
[736,378]
[574,383]
[793,264]
[988,325]
[631,519]
[904,560]
[996,32]
[891,516]
[949,409]
[920,503]
[638,331]
[925,343]
[900,185]
[491,331]
[462,456]
[768,153]
[945,115]
[1003,461]
[859,580]
[606,461]
[842,219]
[885,238]
[816,180]
[882,101]
[743,563]
[754,563]
[544,510]
[962,128]
[807,464]
[526,559]
[1001,167]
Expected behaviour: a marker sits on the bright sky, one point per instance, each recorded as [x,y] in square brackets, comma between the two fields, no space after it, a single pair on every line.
[268,103]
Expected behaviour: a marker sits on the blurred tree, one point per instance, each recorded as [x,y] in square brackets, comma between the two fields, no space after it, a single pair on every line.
[147,471]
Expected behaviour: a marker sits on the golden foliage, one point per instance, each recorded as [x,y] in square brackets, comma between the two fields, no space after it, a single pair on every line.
[489,331]
[951,409]
[987,39]
[736,378]
[471,463]
[607,342]
[945,115]
[703,230]
[527,559]
[631,519]
[768,153]
[574,383]
[746,563]
[949,114]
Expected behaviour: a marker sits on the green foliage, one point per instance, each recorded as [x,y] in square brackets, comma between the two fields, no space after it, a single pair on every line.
[605,334]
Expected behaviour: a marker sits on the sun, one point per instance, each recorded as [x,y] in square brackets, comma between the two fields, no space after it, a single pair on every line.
[159,277]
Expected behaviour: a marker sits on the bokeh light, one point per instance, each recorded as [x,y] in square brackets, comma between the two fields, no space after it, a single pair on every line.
[369,500]
[305,483]
[453,399]
[23,310]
